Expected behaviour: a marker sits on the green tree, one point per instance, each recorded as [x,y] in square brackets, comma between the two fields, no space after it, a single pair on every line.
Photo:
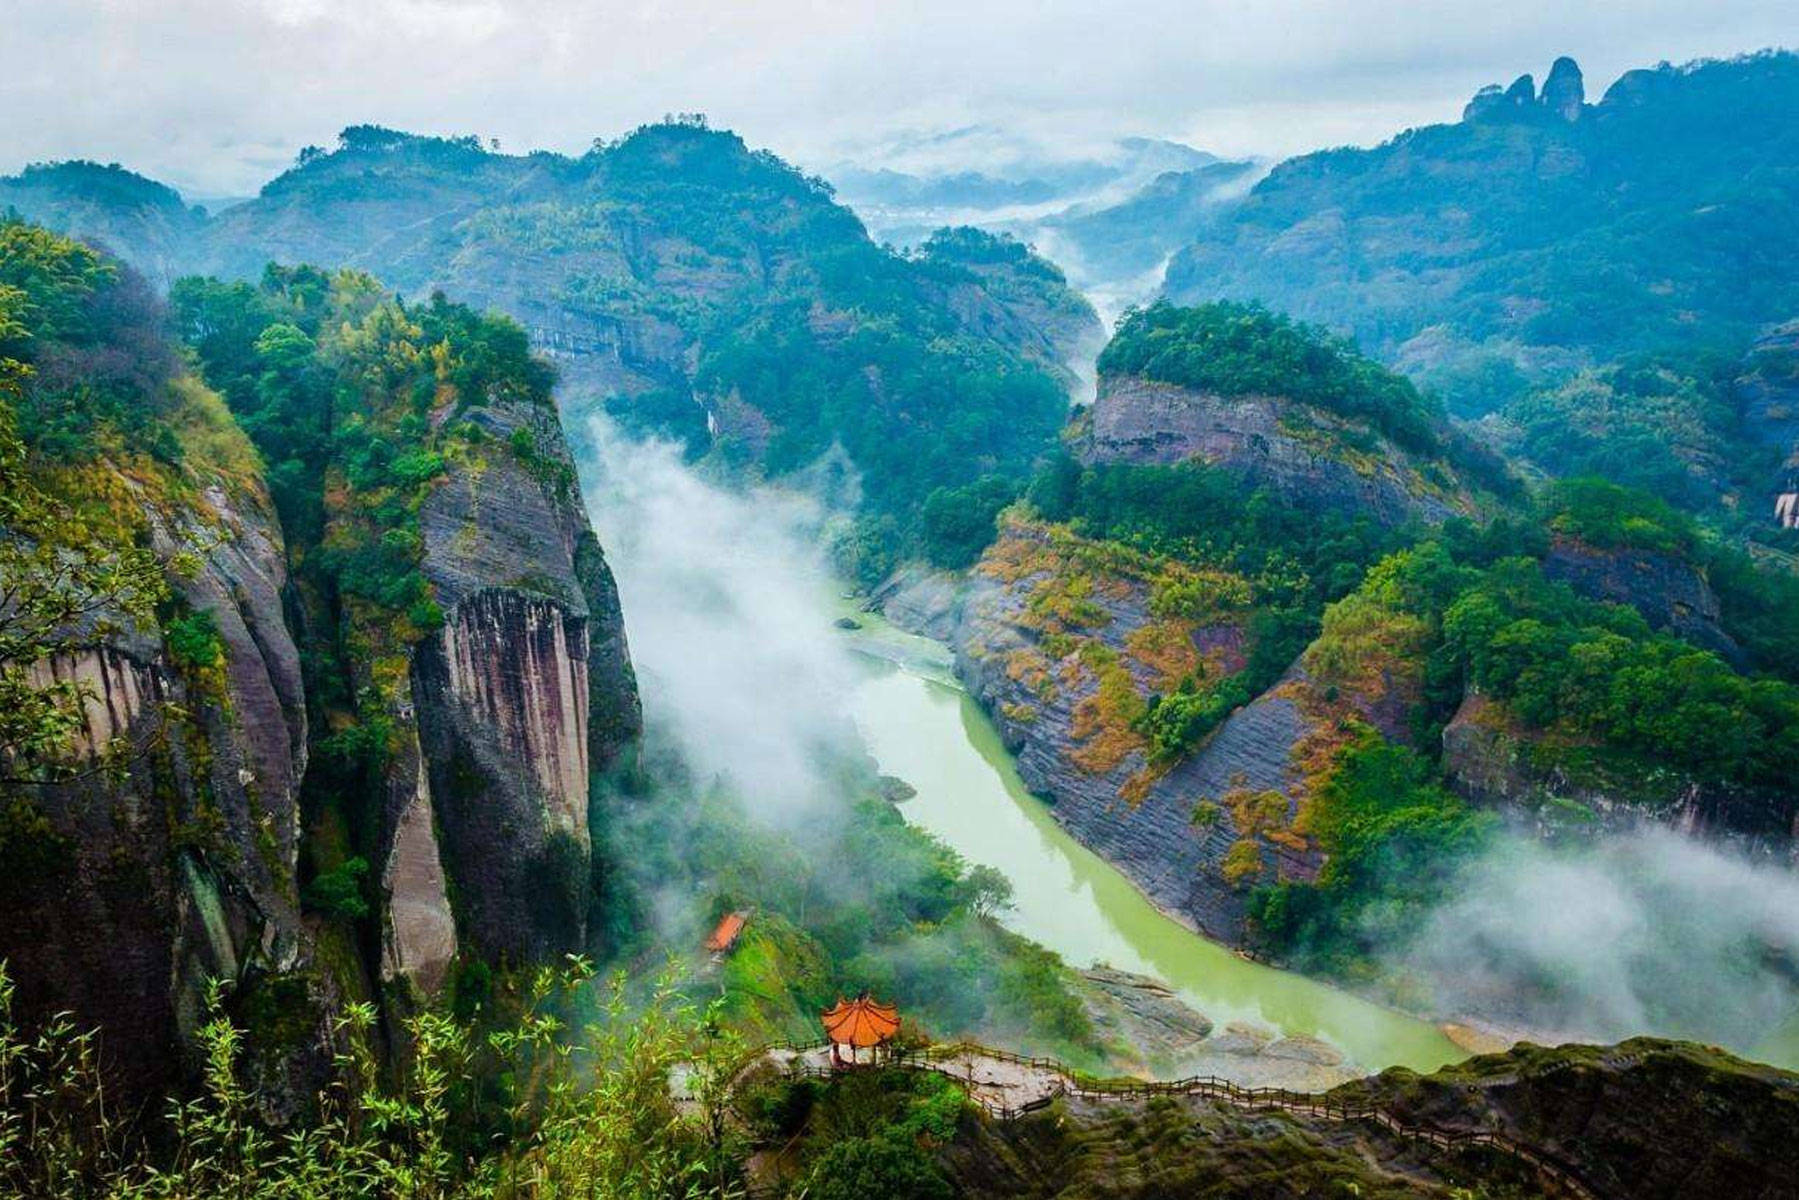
[65,581]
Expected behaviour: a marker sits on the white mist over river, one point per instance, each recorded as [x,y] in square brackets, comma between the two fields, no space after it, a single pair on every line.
[730,608]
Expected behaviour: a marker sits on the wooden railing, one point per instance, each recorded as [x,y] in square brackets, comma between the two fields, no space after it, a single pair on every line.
[1070,1083]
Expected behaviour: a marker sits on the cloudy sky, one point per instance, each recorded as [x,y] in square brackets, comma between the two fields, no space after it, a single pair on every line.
[217,95]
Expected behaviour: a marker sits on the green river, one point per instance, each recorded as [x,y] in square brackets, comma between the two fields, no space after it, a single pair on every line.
[922,727]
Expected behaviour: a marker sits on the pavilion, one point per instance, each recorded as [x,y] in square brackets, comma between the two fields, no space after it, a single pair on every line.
[859,1031]
[724,937]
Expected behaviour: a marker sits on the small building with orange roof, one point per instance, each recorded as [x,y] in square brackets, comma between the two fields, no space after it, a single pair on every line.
[859,1030]
[730,927]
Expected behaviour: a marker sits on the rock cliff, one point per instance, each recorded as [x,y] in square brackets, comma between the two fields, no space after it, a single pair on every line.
[1537,781]
[341,758]
[1309,458]
[1669,591]
[525,690]
[1061,640]
[178,865]
[1564,95]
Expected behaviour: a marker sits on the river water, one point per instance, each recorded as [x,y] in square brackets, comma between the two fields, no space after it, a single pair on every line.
[727,594]
[921,726]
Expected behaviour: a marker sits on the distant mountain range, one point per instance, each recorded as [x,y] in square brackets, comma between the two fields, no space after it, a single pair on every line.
[1109,216]
[1540,234]
[684,283]
[1585,278]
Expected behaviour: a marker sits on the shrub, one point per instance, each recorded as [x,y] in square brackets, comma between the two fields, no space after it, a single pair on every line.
[338,891]
[193,640]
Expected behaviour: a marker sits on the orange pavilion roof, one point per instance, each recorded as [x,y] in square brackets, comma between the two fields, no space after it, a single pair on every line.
[725,936]
[860,1022]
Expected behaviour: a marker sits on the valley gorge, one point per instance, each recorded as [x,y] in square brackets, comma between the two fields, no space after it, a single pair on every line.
[449,748]
[497,575]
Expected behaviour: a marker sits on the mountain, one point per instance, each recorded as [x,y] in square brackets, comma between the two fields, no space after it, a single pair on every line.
[981,175]
[143,222]
[689,286]
[1644,1118]
[1289,649]
[1117,251]
[317,669]
[1539,235]
[1110,221]
[1133,631]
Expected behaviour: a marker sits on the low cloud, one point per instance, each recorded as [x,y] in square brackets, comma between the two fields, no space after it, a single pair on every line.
[202,92]
[726,596]
[1647,932]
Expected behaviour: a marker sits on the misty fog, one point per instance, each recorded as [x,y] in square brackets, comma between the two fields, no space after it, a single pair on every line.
[725,595]
[1648,932]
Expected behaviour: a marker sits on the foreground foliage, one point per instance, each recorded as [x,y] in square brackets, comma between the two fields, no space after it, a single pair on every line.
[848,897]
[539,1108]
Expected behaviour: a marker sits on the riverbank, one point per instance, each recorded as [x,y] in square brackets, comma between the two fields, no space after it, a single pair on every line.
[921,726]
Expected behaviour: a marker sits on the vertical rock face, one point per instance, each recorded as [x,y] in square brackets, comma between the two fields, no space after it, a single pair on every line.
[146,883]
[518,669]
[184,869]
[419,935]
[503,700]
[1310,458]
[1564,92]
[525,689]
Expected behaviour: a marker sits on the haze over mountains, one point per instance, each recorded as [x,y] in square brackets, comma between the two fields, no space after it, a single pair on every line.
[1109,217]
[1404,592]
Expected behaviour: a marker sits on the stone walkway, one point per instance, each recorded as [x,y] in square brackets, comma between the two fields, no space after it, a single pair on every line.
[1000,1085]
[1007,1086]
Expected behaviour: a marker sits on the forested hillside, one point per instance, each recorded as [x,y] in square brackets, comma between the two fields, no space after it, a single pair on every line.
[685,285]
[281,688]
[1540,234]
[1284,647]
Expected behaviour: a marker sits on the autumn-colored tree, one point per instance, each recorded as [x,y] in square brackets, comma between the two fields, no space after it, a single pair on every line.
[64,583]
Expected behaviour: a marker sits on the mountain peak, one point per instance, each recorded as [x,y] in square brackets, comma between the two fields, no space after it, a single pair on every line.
[1563,94]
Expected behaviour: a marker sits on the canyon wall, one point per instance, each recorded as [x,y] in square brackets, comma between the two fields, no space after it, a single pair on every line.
[524,691]
[177,862]
[1307,457]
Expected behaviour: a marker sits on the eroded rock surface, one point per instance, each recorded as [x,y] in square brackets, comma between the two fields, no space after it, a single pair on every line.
[1494,759]
[525,689]
[183,869]
[1311,459]
[1065,703]
[1670,592]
